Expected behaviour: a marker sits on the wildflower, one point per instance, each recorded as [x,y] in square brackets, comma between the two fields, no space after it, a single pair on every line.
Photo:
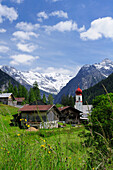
[44,140]
[1,148]
[42,146]
[8,152]
[25,120]
[49,152]
[28,125]
[18,134]
[93,168]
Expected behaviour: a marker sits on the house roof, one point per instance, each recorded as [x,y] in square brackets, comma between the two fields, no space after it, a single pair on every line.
[20,99]
[63,108]
[36,107]
[5,95]
[68,107]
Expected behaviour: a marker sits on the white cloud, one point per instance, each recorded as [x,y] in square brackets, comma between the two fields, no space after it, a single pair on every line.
[17,1]
[42,15]
[2,30]
[9,13]
[62,26]
[27,26]
[26,47]
[21,35]
[59,14]
[4,49]
[102,27]
[22,59]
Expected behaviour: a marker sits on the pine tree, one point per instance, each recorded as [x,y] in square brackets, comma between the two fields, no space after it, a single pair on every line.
[36,91]
[10,88]
[20,91]
[31,96]
[50,99]
[44,98]
[15,91]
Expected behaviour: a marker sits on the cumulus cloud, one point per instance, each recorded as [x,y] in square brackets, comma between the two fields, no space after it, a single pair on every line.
[42,15]
[22,59]
[21,35]
[7,13]
[2,30]
[102,27]
[4,49]
[59,14]
[27,26]
[62,26]
[26,47]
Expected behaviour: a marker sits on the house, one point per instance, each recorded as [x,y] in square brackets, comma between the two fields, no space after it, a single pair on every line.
[70,115]
[7,98]
[20,100]
[40,116]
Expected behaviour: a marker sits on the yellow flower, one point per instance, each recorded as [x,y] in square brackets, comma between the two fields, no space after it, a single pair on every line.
[44,140]
[93,168]
[49,152]
[25,120]
[43,146]
[1,148]
[8,152]
[18,134]
[28,125]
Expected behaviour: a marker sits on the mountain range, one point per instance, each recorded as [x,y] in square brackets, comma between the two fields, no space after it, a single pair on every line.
[48,82]
[88,76]
[60,84]
[4,81]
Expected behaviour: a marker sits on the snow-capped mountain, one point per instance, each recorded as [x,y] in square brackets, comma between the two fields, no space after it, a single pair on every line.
[87,76]
[49,82]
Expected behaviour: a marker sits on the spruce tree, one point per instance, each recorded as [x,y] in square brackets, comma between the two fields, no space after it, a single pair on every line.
[44,98]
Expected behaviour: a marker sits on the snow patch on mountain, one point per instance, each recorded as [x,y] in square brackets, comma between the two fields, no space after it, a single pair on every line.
[49,82]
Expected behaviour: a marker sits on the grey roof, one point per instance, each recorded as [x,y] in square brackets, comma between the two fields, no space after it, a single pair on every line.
[87,108]
[6,95]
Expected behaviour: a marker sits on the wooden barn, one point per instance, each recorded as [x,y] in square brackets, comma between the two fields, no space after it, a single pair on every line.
[40,116]
[7,98]
[70,115]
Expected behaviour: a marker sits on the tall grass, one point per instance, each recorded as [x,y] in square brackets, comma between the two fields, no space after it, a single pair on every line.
[62,148]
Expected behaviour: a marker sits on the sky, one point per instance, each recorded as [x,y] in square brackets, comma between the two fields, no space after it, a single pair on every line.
[55,35]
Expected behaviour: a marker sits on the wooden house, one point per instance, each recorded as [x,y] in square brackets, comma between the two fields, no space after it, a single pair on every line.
[40,116]
[69,115]
[20,100]
[7,98]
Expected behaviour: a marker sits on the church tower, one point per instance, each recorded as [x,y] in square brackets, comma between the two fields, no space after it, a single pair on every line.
[78,102]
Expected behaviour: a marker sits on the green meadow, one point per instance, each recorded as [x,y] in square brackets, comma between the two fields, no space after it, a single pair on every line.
[45,149]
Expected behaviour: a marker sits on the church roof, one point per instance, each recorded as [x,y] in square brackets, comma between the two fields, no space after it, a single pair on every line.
[79,91]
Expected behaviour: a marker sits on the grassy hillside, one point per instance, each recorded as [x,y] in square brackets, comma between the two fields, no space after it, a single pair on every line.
[62,148]
[96,90]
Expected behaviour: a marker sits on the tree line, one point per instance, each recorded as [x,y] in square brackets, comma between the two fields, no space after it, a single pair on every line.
[30,96]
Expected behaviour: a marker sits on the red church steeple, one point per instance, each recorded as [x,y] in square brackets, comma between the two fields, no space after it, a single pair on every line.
[78,91]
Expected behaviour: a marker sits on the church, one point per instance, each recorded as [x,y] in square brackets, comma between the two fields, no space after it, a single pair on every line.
[85,109]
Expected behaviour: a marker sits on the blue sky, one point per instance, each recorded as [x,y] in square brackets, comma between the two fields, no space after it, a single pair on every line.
[55,35]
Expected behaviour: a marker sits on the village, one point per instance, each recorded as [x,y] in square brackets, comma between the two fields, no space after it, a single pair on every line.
[40,115]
